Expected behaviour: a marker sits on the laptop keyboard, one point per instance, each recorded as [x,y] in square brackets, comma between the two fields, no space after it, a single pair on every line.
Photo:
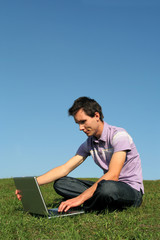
[54,212]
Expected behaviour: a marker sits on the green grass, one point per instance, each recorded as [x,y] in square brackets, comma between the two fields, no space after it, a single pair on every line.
[133,223]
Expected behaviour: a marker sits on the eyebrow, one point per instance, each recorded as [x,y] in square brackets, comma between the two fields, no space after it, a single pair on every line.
[81,121]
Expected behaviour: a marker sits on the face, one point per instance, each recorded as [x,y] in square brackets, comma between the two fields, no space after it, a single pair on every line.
[91,126]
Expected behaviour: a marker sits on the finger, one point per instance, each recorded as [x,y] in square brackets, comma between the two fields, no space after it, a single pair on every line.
[67,208]
[17,191]
[62,207]
[18,196]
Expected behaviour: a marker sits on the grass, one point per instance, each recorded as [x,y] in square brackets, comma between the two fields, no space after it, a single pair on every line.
[131,224]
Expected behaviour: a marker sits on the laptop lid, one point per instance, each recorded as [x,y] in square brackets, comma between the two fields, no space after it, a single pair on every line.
[32,199]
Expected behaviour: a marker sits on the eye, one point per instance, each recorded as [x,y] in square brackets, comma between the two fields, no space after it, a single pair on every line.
[82,122]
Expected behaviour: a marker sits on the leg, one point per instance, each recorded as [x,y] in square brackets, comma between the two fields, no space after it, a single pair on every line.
[113,195]
[69,187]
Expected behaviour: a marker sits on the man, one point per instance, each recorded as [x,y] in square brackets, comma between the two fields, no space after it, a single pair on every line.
[113,150]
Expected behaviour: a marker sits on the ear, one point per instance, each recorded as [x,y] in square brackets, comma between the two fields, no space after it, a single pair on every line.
[97,115]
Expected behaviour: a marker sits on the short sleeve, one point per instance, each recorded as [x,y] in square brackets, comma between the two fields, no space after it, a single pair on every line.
[83,150]
[121,141]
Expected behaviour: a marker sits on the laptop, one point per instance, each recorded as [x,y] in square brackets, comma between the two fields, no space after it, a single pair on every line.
[33,201]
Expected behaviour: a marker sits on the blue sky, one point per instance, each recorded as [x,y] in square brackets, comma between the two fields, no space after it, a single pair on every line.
[52,52]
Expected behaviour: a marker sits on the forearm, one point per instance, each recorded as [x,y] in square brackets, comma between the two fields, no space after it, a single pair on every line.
[52,175]
[87,194]
[60,171]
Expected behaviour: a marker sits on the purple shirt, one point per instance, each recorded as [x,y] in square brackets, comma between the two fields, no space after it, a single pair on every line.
[115,139]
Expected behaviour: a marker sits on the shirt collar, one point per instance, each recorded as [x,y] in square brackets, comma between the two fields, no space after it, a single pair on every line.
[103,136]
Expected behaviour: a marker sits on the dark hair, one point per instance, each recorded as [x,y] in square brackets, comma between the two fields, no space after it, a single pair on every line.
[89,106]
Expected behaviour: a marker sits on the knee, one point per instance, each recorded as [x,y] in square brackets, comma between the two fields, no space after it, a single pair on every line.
[55,184]
[108,189]
[59,183]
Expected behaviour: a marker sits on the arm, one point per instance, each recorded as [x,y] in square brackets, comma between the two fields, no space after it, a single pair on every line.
[60,171]
[57,172]
[116,164]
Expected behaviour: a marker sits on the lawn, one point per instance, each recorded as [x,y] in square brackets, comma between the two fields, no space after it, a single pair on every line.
[133,223]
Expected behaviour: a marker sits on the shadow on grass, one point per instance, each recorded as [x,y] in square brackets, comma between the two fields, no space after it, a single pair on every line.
[55,204]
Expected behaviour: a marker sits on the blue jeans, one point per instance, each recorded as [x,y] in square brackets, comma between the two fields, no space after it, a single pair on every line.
[109,194]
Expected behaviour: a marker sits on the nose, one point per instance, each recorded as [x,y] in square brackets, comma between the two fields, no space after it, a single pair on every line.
[81,127]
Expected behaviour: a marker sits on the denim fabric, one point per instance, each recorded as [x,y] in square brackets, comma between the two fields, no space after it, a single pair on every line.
[109,194]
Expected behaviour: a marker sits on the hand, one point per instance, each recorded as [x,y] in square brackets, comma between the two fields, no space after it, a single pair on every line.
[19,196]
[74,202]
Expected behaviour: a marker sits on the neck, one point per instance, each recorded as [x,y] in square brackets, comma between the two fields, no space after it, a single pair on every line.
[99,130]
